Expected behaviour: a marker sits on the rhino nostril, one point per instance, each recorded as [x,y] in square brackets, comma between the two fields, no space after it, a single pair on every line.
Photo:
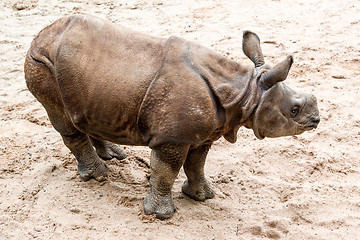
[315,120]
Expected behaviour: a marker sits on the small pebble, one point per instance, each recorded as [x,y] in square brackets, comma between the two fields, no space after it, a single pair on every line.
[101,194]
[338,76]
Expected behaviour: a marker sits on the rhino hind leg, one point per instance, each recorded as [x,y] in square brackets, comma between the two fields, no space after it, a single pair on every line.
[89,163]
[107,150]
[42,84]
[196,186]
[165,162]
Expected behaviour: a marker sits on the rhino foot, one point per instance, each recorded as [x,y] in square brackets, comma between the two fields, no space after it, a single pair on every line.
[199,192]
[162,207]
[107,150]
[99,171]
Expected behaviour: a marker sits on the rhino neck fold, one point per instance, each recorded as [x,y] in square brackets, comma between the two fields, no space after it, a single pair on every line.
[233,86]
[251,107]
[241,112]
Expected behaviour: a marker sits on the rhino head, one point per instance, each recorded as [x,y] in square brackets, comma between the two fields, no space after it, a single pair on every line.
[281,111]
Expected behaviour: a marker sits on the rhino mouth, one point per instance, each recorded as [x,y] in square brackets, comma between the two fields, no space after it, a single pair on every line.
[301,128]
[310,127]
[311,123]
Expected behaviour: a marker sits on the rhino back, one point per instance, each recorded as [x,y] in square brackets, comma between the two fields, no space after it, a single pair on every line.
[103,71]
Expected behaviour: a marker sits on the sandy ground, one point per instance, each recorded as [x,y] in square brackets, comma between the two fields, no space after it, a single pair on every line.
[304,187]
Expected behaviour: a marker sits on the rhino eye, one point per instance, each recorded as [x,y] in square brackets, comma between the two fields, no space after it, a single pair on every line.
[294,111]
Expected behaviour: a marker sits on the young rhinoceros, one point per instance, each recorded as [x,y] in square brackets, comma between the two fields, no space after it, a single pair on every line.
[102,84]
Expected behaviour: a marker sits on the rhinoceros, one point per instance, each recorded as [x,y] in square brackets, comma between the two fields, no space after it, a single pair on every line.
[103,85]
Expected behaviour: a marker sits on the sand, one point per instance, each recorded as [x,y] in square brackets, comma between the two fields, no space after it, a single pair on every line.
[303,187]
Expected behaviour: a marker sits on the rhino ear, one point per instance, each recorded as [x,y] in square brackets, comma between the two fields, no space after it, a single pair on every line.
[277,74]
[252,49]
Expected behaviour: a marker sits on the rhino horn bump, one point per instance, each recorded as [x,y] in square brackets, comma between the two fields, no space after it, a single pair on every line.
[252,49]
[278,73]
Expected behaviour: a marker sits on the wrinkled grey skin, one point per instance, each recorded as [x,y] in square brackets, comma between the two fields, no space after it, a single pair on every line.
[103,85]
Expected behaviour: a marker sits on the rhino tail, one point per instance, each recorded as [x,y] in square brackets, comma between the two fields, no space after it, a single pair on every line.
[39,61]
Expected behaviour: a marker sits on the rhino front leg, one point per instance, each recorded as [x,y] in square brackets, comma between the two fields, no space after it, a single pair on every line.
[196,186]
[165,161]
[107,150]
